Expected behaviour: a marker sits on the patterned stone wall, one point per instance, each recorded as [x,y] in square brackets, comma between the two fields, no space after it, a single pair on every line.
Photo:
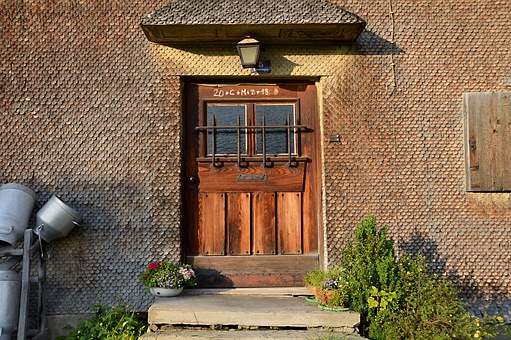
[91,112]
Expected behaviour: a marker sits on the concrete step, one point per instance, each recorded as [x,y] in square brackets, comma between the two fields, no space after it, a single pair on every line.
[273,313]
[185,334]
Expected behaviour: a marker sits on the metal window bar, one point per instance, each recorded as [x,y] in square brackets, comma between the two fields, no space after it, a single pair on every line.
[289,140]
[238,150]
[218,127]
[261,127]
[213,144]
[263,136]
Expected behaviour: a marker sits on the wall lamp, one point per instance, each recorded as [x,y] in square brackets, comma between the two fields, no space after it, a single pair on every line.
[249,51]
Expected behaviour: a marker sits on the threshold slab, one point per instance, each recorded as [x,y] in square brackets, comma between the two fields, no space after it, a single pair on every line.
[247,308]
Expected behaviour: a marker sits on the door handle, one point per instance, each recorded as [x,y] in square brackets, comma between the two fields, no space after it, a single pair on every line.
[192,179]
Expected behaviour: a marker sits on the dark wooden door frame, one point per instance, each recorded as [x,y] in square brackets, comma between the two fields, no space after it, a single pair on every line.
[190,205]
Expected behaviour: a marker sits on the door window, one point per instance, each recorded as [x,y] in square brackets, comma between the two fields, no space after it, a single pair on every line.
[254,130]
[278,137]
[223,139]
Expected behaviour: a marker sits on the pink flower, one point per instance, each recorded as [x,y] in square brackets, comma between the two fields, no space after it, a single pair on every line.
[153,265]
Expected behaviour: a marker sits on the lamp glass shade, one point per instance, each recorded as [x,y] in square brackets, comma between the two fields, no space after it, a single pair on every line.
[249,51]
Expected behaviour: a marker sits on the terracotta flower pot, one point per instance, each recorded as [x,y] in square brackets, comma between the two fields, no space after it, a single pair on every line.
[313,290]
[325,297]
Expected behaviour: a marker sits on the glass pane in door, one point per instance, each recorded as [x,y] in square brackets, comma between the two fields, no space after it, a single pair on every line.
[276,140]
[225,140]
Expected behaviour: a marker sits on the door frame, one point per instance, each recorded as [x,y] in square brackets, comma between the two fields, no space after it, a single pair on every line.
[189,209]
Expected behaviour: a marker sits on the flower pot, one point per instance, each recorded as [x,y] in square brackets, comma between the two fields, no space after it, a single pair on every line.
[313,290]
[166,292]
[324,297]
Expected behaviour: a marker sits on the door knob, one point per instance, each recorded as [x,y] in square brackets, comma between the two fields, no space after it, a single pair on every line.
[193,179]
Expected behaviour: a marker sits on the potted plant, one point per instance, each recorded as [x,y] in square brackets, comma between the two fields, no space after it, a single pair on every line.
[314,281]
[328,287]
[167,279]
[333,293]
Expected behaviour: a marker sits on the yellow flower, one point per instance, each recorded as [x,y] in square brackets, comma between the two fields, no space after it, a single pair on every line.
[500,318]
[477,335]
[100,324]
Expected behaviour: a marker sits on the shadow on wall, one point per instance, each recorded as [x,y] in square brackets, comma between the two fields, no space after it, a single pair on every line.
[285,58]
[209,277]
[101,261]
[492,302]
[370,43]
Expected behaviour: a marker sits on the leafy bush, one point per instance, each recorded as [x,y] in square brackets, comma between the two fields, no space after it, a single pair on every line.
[110,323]
[368,261]
[428,308]
[397,299]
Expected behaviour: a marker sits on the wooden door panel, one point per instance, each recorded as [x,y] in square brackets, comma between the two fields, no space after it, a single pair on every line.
[289,222]
[238,223]
[251,197]
[231,178]
[311,195]
[212,222]
[309,225]
[264,210]
[253,271]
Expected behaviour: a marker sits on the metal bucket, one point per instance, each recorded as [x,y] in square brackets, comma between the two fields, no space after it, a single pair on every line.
[56,220]
[16,204]
[10,294]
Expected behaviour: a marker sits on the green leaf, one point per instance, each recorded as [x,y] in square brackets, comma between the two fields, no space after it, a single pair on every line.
[372,302]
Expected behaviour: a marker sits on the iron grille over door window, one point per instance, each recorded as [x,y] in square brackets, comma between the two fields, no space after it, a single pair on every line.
[251,132]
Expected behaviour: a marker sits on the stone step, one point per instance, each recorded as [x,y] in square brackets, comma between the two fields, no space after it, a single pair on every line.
[245,313]
[185,334]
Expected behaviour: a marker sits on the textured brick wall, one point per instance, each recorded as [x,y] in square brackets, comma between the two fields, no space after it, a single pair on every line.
[91,112]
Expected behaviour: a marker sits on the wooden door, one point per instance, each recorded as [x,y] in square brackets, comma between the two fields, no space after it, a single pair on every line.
[250,183]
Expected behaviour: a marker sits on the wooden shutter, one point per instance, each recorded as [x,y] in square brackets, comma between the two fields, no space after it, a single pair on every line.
[487,119]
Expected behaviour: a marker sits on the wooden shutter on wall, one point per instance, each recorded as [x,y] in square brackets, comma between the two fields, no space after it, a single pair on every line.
[487,124]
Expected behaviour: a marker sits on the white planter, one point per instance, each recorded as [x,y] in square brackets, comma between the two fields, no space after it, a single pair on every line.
[166,292]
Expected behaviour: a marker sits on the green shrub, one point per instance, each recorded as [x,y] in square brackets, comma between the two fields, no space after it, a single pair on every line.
[399,299]
[368,261]
[429,308]
[110,323]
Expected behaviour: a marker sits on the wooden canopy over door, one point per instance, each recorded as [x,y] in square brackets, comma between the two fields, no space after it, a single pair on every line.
[251,183]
